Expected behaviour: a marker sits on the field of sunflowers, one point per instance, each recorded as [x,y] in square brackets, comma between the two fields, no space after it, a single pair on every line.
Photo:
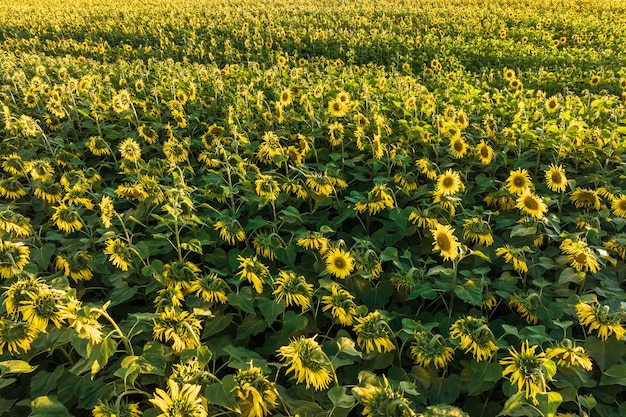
[301,209]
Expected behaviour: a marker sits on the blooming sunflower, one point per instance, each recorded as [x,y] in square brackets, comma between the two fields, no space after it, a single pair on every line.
[449,183]
[599,317]
[585,197]
[618,205]
[430,348]
[339,263]
[130,150]
[445,242]
[458,147]
[341,305]
[580,255]
[294,289]
[518,181]
[475,337]
[120,253]
[484,152]
[14,256]
[552,104]
[179,401]
[308,362]
[16,335]
[42,307]
[180,327]
[531,204]
[257,394]
[569,354]
[527,370]
[254,271]
[514,256]
[373,333]
[556,179]
[337,108]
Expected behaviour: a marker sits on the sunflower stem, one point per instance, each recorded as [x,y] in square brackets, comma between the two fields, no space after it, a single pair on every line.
[127,345]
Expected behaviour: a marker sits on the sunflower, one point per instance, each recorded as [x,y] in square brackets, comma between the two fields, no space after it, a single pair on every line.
[458,147]
[568,354]
[423,219]
[132,191]
[427,168]
[484,152]
[15,224]
[42,307]
[430,348]
[98,146]
[266,186]
[179,401]
[383,401]
[107,211]
[320,184]
[313,240]
[552,104]
[599,317]
[14,164]
[16,335]
[373,333]
[514,256]
[130,150]
[265,244]
[253,271]
[341,305]
[84,321]
[120,253]
[527,370]
[257,394]
[337,108]
[525,305]
[585,197]
[176,151]
[148,134]
[618,205]
[531,204]
[335,131]
[449,183]
[500,199]
[594,81]
[339,263]
[477,230]
[182,273]
[509,74]
[556,179]
[117,409]
[580,255]
[294,289]
[49,192]
[475,337]
[446,202]
[180,327]
[121,101]
[617,244]
[78,267]
[518,181]
[377,200]
[40,170]
[210,288]
[308,362]
[445,242]
[11,188]
[14,256]
[230,230]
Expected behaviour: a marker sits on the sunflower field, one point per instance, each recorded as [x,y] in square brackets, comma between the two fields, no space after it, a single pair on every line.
[266,208]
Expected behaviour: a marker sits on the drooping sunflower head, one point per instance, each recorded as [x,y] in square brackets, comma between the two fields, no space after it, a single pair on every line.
[16,336]
[293,289]
[14,256]
[600,318]
[307,361]
[585,198]
[428,348]
[527,371]
[382,400]
[374,334]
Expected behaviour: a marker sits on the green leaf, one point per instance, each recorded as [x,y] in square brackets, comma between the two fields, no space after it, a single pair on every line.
[470,294]
[193,245]
[515,401]
[483,377]
[521,230]
[339,398]
[379,296]
[44,382]
[549,403]
[216,324]
[481,255]
[606,353]
[223,394]
[5,382]
[292,324]
[615,375]
[270,310]
[99,354]
[41,256]
[48,407]
[15,367]
[445,390]
[243,300]
[251,326]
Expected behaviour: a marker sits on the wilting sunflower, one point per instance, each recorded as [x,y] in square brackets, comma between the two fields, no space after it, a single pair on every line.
[180,327]
[569,354]
[383,401]
[182,273]
[77,267]
[107,211]
[373,333]
[130,150]
[15,224]
[42,307]
[211,289]
[313,240]
[430,348]
[618,205]
[341,305]
[120,253]
[518,181]
[339,263]
[16,335]
[617,244]
[121,101]
[525,305]
[230,230]
[320,183]
[477,230]
[585,197]
[500,199]
[423,219]
[556,179]
[257,394]
[531,204]
[445,242]
[580,255]
[98,146]
[148,134]
[527,370]
[266,186]
[294,289]
[11,188]
[449,183]
[308,362]
[265,244]
[40,170]
[269,148]
[514,256]
[254,271]
[14,256]
[14,164]
[116,409]
[599,317]
[475,337]
[427,168]
[179,401]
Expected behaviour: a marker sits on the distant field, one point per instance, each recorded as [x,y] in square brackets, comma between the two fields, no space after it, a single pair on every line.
[390,208]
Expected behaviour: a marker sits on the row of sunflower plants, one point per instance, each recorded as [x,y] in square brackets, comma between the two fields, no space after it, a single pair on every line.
[282,233]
